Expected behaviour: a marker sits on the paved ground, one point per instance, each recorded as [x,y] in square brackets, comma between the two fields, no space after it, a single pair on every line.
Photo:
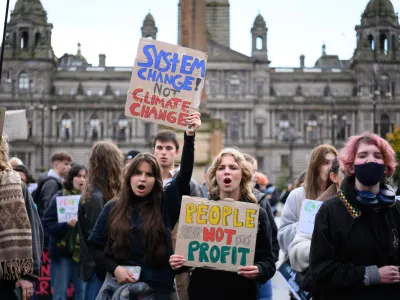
[280,290]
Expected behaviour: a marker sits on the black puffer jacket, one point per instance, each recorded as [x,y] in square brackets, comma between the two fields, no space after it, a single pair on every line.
[344,243]
[264,203]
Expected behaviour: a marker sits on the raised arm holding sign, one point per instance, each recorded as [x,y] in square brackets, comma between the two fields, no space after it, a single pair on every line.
[166,84]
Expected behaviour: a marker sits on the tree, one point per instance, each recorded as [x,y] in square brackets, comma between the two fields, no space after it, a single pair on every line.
[394,140]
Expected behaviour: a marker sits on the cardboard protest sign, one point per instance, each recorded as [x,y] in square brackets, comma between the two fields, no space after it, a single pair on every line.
[67,208]
[289,276]
[16,125]
[166,84]
[309,209]
[219,235]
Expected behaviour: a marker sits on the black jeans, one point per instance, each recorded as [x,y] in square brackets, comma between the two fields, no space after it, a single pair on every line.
[7,288]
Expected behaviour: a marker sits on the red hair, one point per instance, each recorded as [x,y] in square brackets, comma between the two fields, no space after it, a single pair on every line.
[348,152]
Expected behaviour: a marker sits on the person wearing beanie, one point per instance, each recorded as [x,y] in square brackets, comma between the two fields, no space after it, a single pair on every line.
[130,155]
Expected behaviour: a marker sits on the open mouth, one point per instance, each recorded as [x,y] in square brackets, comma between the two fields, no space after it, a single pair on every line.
[141,187]
[227,181]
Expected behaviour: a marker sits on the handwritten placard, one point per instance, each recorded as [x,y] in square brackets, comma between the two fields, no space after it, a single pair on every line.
[309,209]
[166,83]
[217,234]
[289,276]
[67,208]
[15,125]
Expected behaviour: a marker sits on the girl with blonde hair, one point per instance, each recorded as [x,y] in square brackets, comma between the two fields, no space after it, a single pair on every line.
[230,176]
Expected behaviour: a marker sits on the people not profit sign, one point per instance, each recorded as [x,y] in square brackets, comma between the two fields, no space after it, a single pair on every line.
[166,84]
[217,234]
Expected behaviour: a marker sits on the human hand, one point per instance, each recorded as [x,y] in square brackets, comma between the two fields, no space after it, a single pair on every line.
[27,288]
[250,272]
[123,275]
[194,122]
[389,274]
[176,261]
[72,223]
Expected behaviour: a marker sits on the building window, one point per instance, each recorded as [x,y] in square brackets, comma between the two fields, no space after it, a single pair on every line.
[89,92]
[260,90]
[284,161]
[23,81]
[213,88]
[147,130]
[260,132]
[30,125]
[60,91]
[94,127]
[24,40]
[100,92]
[117,92]
[311,128]
[260,163]
[235,85]
[385,125]
[234,125]
[66,127]
[122,128]
[72,91]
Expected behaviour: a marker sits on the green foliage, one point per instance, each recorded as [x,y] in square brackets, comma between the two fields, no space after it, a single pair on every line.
[394,140]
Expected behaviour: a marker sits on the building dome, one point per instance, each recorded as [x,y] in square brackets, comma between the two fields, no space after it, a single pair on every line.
[149,20]
[33,7]
[379,8]
[259,21]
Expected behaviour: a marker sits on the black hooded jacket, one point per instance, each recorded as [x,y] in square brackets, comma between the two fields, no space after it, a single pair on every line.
[349,237]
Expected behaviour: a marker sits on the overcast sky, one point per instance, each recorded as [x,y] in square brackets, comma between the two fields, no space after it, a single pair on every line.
[295,27]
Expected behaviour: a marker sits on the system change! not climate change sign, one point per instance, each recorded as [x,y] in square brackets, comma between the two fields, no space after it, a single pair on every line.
[166,84]
[217,234]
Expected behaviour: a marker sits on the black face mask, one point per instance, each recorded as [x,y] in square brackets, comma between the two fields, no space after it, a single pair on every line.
[370,173]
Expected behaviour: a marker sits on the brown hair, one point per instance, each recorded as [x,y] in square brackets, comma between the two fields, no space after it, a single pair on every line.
[166,136]
[317,158]
[61,156]
[105,171]
[152,229]
[246,188]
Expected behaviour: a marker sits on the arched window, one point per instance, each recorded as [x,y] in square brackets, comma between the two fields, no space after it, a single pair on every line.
[24,40]
[311,127]
[383,44]
[259,43]
[94,127]
[122,128]
[371,42]
[66,127]
[23,81]
[385,125]
[235,85]
[37,39]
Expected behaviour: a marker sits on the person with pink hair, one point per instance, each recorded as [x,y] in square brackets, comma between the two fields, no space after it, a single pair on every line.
[355,243]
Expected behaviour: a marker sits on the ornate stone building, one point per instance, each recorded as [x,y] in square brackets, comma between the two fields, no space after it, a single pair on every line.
[276,114]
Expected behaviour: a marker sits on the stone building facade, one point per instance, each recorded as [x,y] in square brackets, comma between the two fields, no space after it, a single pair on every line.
[276,114]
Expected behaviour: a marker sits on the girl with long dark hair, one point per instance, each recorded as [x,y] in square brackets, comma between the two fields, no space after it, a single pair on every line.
[103,184]
[64,239]
[135,229]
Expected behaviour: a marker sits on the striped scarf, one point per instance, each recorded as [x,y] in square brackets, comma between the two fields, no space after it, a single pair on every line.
[15,229]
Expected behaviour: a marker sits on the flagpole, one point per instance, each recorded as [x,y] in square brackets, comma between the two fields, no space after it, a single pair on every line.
[4,39]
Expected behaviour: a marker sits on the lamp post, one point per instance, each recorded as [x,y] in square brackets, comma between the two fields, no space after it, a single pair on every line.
[333,119]
[287,134]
